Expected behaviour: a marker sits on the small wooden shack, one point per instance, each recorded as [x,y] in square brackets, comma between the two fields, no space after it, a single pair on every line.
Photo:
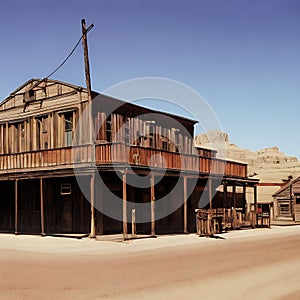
[40,152]
[287,201]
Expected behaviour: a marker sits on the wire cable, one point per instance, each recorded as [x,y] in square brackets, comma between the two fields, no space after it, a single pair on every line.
[65,60]
[61,64]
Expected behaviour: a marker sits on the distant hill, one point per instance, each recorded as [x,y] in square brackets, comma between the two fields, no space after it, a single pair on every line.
[270,164]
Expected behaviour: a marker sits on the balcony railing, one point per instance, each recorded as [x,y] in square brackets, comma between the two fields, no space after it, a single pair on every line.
[118,153]
[140,156]
[62,157]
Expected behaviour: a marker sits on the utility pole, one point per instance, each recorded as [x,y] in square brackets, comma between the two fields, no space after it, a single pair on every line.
[90,120]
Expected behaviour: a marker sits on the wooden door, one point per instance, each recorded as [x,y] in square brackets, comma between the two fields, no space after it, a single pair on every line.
[67,213]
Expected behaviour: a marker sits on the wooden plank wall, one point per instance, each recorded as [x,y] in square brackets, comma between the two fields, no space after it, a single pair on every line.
[141,133]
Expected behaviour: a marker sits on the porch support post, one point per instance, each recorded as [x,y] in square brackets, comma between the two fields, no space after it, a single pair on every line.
[244,198]
[210,194]
[185,229]
[234,213]
[255,204]
[152,206]
[16,206]
[225,194]
[210,229]
[125,234]
[234,194]
[225,218]
[42,207]
[92,188]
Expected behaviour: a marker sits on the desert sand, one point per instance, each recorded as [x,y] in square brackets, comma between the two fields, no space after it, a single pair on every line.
[245,264]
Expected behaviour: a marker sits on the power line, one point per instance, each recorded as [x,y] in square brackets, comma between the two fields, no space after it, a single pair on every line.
[66,59]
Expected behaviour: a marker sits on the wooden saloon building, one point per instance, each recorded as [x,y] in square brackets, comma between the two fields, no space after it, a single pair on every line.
[39,155]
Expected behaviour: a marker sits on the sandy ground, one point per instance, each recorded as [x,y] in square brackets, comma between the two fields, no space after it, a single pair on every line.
[245,264]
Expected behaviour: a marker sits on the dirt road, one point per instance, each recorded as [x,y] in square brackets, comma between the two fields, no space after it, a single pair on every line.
[263,267]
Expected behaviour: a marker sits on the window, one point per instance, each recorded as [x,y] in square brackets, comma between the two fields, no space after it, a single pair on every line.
[16,137]
[176,140]
[29,96]
[165,146]
[68,129]
[139,140]
[65,189]
[150,133]
[42,133]
[165,143]
[127,136]
[108,129]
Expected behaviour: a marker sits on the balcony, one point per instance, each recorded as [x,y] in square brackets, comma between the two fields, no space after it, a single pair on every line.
[117,153]
[106,154]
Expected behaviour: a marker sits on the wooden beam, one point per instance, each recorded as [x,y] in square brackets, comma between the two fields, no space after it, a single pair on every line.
[255,204]
[125,234]
[16,206]
[210,194]
[234,194]
[42,207]
[92,187]
[52,129]
[224,194]
[245,197]
[133,225]
[234,214]
[6,138]
[152,206]
[88,81]
[185,199]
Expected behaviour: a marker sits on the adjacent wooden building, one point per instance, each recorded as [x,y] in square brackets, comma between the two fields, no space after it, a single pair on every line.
[287,200]
[40,151]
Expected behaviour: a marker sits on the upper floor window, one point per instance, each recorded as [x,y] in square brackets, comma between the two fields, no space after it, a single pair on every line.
[165,143]
[42,132]
[176,140]
[16,137]
[108,129]
[29,96]
[150,133]
[68,129]
[127,136]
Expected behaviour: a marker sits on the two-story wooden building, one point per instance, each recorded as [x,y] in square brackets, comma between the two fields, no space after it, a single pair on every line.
[44,144]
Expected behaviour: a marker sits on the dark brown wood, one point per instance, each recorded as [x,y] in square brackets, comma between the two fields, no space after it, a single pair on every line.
[255,204]
[234,194]
[185,210]
[152,194]
[42,207]
[86,60]
[210,193]
[125,233]
[16,206]
[225,194]
[92,186]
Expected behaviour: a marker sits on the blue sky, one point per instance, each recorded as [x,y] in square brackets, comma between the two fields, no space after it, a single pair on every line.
[242,56]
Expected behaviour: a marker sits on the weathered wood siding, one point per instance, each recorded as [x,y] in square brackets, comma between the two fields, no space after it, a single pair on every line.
[37,132]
